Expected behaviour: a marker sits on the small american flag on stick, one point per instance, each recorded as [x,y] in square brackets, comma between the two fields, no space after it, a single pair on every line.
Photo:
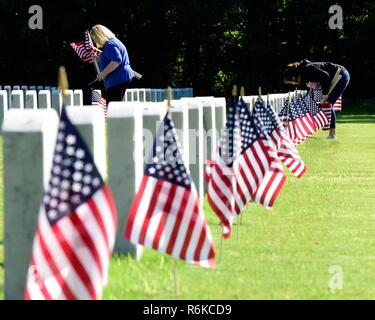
[327,109]
[85,49]
[245,159]
[315,109]
[298,121]
[318,96]
[286,150]
[77,226]
[98,100]
[166,215]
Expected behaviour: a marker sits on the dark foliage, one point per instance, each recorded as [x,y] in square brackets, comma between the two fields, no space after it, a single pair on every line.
[205,44]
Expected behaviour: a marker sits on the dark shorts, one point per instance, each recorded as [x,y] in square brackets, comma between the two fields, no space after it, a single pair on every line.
[116,93]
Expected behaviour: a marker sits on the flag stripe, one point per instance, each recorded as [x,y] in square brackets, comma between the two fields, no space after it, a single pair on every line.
[153,202]
[164,217]
[132,231]
[74,261]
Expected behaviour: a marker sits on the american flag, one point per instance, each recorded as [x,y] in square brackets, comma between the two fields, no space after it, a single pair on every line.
[337,106]
[98,100]
[245,158]
[166,215]
[85,49]
[315,109]
[77,226]
[286,149]
[297,120]
[318,96]
[326,107]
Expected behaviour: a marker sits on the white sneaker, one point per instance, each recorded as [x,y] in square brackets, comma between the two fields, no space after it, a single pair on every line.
[331,137]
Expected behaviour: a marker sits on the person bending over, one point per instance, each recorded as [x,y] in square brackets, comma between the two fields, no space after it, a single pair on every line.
[319,74]
[114,64]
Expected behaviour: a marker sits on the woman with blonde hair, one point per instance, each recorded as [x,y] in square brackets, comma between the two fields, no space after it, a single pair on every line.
[114,63]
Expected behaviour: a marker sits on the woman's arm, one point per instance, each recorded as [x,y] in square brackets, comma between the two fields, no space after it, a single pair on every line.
[107,70]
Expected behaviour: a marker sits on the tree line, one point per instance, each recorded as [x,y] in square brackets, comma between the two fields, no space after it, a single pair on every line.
[208,45]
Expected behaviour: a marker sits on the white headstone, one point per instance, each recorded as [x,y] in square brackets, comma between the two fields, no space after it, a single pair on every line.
[44,99]
[68,98]
[153,114]
[30,99]
[17,99]
[128,96]
[135,95]
[220,114]
[125,165]
[78,98]
[90,123]
[3,105]
[142,95]
[180,117]
[56,101]
[8,89]
[196,144]
[29,138]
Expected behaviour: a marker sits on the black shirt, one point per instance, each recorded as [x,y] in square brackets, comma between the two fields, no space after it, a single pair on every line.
[322,72]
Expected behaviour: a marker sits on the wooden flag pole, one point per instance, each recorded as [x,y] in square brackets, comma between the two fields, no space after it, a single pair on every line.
[242,92]
[287,112]
[238,225]
[96,65]
[176,282]
[234,91]
[175,271]
[169,98]
[94,59]
[260,93]
[221,245]
[62,81]
[239,216]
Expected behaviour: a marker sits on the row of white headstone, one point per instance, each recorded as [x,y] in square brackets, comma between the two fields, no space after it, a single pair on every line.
[156,95]
[43,98]
[119,149]
[47,99]
[30,96]
[119,154]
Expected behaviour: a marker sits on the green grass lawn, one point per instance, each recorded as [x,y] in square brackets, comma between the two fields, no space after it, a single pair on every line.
[326,219]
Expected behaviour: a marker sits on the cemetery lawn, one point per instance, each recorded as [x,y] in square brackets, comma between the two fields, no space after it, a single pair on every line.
[323,223]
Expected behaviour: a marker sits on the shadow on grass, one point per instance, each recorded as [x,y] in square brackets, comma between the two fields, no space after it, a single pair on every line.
[360,118]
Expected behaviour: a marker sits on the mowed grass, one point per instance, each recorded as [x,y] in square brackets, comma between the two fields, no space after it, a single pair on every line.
[324,220]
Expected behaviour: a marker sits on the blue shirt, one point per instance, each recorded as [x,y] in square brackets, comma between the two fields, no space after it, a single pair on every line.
[114,50]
